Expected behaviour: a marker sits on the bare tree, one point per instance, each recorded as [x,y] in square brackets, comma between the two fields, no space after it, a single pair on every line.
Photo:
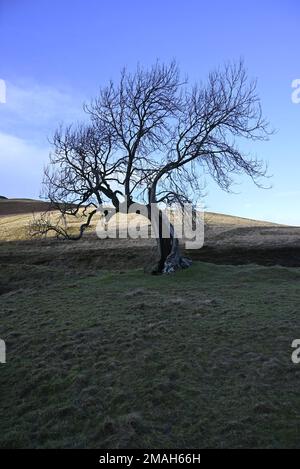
[149,140]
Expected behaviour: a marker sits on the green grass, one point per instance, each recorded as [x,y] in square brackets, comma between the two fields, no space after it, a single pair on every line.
[196,359]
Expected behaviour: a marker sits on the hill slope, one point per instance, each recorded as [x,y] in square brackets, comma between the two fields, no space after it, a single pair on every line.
[20,206]
[220,230]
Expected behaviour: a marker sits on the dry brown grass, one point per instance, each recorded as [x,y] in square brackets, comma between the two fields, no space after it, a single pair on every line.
[221,231]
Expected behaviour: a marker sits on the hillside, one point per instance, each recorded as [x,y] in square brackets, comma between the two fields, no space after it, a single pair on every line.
[21,206]
[201,358]
[102,359]
[221,231]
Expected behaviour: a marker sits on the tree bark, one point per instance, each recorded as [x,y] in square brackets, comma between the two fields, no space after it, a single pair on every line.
[170,257]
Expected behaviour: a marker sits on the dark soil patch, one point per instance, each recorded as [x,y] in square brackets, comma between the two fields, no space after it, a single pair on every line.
[12,207]
[285,256]
[95,255]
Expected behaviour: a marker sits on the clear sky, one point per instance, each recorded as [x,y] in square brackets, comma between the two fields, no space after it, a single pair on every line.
[55,54]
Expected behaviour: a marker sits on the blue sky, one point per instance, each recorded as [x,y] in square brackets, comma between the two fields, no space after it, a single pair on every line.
[56,54]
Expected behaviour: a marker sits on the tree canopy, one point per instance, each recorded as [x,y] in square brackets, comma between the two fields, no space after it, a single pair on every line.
[151,137]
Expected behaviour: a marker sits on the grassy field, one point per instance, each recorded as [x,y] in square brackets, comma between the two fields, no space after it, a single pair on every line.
[102,355]
[109,359]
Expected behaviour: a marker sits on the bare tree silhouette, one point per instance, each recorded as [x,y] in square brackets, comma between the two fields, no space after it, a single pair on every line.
[149,139]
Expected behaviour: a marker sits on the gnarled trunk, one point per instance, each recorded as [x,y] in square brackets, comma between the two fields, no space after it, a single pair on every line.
[170,258]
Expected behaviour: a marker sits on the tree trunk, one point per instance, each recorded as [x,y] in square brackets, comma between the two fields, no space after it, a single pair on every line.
[170,258]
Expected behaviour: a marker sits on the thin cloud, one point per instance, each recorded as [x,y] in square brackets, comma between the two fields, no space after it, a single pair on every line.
[36,103]
[22,164]
[27,119]
[34,111]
